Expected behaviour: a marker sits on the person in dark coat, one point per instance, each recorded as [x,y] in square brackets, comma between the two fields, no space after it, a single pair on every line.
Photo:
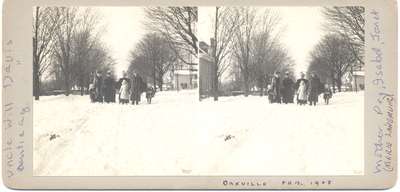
[136,88]
[327,93]
[98,85]
[119,83]
[109,88]
[301,88]
[149,94]
[314,89]
[287,89]
[276,87]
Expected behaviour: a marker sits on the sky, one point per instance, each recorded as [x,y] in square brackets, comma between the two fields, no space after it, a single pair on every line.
[302,29]
[123,28]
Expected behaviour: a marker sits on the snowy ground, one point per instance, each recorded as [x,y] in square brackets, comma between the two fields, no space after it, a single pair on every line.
[178,135]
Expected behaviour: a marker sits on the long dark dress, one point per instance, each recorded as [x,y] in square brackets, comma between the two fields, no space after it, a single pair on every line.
[98,91]
[287,90]
[314,90]
[276,89]
[136,89]
[109,89]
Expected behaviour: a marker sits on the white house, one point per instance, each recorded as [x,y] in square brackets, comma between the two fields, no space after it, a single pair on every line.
[354,81]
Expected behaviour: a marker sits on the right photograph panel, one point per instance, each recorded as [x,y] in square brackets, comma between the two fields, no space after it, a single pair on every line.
[284,88]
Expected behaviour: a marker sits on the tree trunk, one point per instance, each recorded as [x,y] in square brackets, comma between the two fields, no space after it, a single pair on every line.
[81,86]
[36,85]
[160,83]
[67,85]
[82,90]
[246,84]
[214,44]
[333,82]
[36,78]
[215,83]
[154,79]
[177,82]
[339,84]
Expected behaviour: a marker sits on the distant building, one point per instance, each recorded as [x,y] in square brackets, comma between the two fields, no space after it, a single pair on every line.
[354,81]
[184,76]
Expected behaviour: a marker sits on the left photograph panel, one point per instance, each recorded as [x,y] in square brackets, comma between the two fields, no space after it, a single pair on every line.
[112,86]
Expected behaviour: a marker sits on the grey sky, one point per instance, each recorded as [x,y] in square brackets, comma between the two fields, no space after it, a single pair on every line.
[123,29]
[302,30]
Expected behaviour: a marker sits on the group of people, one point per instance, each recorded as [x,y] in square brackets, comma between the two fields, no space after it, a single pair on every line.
[285,90]
[104,89]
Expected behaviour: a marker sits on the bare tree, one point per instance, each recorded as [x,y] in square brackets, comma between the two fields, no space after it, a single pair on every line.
[256,44]
[84,40]
[242,46]
[268,55]
[66,47]
[64,37]
[43,25]
[332,53]
[153,57]
[77,49]
[349,22]
[178,26]
[225,24]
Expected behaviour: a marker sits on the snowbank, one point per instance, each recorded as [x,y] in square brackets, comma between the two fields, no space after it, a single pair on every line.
[178,135]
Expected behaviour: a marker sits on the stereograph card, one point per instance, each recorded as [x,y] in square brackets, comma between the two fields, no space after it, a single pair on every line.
[199,95]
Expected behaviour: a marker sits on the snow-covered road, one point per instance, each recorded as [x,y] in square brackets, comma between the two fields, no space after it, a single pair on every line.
[178,135]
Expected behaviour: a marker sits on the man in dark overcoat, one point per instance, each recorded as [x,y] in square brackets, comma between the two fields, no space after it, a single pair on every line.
[98,85]
[136,88]
[314,89]
[109,88]
[276,87]
[287,89]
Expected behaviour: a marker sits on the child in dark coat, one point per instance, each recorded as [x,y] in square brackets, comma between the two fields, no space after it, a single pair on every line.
[149,94]
[327,94]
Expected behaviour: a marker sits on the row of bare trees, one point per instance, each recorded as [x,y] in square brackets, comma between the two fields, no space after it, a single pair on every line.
[341,50]
[66,48]
[246,43]
[152,58]
[170,41]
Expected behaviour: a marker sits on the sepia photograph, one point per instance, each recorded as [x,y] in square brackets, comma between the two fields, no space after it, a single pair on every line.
[284,88]
[198,91]
[112,89]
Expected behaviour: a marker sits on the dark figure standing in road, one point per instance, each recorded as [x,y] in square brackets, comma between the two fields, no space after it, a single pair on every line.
[149,94]
[314,89]
[327,93]
[276,87]
[98,85]
[287,89]
[136,88]
[109,88]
